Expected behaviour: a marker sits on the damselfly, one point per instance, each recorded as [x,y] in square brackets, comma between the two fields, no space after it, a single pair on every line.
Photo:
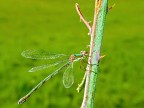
[68,78]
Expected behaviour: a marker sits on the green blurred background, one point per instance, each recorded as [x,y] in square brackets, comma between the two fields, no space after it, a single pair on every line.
[53,25]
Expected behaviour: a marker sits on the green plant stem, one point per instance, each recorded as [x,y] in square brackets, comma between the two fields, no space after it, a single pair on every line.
[101,8]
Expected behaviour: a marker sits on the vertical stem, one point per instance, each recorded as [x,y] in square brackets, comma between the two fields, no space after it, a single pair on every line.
[100,11]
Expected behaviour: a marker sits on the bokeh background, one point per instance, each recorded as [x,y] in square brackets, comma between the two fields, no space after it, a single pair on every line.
[53,25]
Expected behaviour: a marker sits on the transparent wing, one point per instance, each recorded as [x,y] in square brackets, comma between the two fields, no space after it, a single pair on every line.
[68,77]
[40,54]
[37,68]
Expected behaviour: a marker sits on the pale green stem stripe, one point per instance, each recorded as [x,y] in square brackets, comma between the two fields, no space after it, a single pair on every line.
[96,53]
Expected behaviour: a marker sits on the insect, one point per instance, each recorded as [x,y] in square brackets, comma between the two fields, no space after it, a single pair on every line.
[68,78]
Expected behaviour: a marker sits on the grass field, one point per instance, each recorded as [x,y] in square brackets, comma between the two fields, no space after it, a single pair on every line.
[53,25]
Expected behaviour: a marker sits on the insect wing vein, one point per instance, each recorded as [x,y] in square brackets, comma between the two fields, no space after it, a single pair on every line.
[68,77]
[40,54]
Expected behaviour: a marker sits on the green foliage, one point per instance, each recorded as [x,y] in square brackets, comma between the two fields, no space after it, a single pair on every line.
[53,25]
